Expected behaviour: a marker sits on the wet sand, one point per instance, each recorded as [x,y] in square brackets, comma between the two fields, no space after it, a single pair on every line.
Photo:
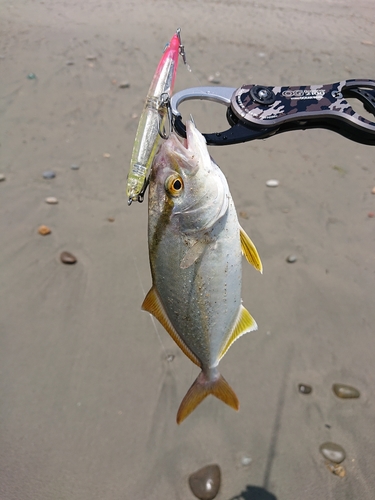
[88,398]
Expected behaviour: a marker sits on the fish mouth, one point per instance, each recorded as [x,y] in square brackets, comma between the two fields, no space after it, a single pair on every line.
[187,155]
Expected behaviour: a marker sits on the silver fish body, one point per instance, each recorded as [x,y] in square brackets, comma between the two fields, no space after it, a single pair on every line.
[195,247]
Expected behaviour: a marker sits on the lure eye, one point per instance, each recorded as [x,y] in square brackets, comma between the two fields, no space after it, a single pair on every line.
[174,185]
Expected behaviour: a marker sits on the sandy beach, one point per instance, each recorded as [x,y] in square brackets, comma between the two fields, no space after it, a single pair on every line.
[90,384]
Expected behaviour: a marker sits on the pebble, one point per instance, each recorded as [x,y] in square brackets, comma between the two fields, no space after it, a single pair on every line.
[170,358]
[67,258]
[332,452]
[44,230]
[124,85]
[205,482]
[246,461]
[2,177]
[111,219]
[338,470]
[106,155]
[69,63]
[291,259]
[371,215]
[373,190]
[31,76]
[214,78]
[367,42]
[272,183]
[49,174]
[51,200]
[345,391]
[304,389]
[74,166]
[91,57]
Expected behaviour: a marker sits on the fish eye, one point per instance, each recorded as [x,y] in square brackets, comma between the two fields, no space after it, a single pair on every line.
[174,185]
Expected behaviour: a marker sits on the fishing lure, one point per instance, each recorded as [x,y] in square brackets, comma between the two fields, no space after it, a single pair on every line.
[152,121]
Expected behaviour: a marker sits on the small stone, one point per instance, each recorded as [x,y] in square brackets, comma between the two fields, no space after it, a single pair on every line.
[170,358]
[246,461]
[44,230]
[291,259]
[31,76]
[345,391]
[367,42]
[49,174]
[272,183]
[244,215]
[69,63]
[2,177]
[338,470]
[332,452]
[51,200]
[111,219]
[134,116]
[67,258]
[106,155]
[205,482]
[124,85]
[371,215]
[74,166]
[214,78]
[373,190]
[91,57]
[304,389]
[261,54]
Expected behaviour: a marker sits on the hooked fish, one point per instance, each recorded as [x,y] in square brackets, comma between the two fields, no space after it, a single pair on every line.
[195,249]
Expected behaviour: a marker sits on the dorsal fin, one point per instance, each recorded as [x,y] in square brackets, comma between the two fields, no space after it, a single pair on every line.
[153,305]
[249,251]
[245,323]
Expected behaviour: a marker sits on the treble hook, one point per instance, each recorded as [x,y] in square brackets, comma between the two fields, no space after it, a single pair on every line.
[181,48]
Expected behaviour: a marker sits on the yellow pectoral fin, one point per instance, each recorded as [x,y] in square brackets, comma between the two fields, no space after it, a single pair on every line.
[245,323]
[153,305]
[249,251]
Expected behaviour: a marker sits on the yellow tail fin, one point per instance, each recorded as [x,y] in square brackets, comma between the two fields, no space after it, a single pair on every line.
[200,389]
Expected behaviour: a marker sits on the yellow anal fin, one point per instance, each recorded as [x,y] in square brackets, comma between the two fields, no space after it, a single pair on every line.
[153,305]
[200,389]
[245,323]
[249,251]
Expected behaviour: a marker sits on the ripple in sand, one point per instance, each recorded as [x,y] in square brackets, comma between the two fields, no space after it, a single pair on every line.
[345,391]
[332,452]
[205,482]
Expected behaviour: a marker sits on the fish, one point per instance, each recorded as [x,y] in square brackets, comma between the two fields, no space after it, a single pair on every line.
[195,251]
[153,117]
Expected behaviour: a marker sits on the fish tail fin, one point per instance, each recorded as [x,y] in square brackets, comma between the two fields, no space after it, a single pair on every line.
[201,388]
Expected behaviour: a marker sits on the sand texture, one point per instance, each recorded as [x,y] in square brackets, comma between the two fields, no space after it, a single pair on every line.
[88,394]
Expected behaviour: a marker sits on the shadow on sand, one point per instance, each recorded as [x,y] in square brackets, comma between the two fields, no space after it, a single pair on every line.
[254,493]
